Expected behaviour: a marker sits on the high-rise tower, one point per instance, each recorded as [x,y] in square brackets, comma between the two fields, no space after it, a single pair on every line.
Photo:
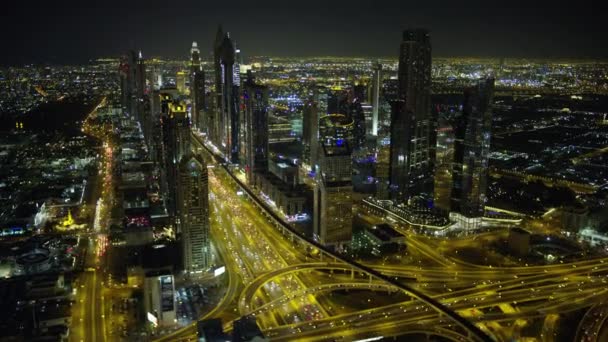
[229,124]
[176,144]
[413,122]
[255,101]
[333,197]
[314,108]
[128,87]
[217,67]
[193,213]
[197,89]
[471,152]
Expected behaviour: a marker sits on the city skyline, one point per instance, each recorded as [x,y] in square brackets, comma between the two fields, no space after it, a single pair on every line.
[70,32]
[226,197]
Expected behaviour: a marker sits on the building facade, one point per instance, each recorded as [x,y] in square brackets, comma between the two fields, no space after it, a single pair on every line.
[197,89]
[333,197]
[193,213]
[255,134]
[471,153]
[413,123]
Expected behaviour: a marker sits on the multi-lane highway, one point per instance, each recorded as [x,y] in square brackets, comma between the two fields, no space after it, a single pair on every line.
[89,312]
[274,277]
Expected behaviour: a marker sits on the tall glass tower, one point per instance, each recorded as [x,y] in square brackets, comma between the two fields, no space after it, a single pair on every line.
[193,213]
[413,122]
[472,134]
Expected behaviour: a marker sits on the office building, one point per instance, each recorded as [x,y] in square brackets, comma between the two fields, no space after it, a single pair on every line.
[471,152]
[128,91]
[176,143]
[159,298]
[193,213]
[333,197]
[229,120]
[197,89]
[255,134]
[355,112]
[214,113]
[314,107]
[444,158]
[412,122]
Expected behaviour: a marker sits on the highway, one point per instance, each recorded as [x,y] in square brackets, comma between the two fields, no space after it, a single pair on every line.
[274,276]
[89,311]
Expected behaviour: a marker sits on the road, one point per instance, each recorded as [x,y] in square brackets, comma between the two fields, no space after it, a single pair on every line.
[89,311]
[261,260]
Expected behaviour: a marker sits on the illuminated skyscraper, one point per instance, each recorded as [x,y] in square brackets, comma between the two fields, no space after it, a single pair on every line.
[376,82]
[255,101]
[176,143]
[128,89]
[471,152]
[140,77]
[314,108]
[229,124]
[193,213]
[333,197]
[197,89]
[355,112]
[413,123]
[444,158]
[217,66]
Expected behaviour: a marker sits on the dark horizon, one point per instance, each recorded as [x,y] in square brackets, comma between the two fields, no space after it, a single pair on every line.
[70,32]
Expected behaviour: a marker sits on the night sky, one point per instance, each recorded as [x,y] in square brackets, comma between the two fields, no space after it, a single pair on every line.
[75,31]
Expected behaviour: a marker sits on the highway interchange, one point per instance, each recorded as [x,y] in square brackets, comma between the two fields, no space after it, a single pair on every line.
[279,280]
[287,284]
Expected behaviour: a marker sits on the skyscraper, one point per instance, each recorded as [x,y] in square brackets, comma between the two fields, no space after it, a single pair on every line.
[140,76]
[217,67]
[333,197]
[229,124]
[255,98]
[355,112]
[413,122]
[197,89]
[128,91]
[376,82]
[193,213]
[176,144]
[471,152]
[444,159]
[314,108]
